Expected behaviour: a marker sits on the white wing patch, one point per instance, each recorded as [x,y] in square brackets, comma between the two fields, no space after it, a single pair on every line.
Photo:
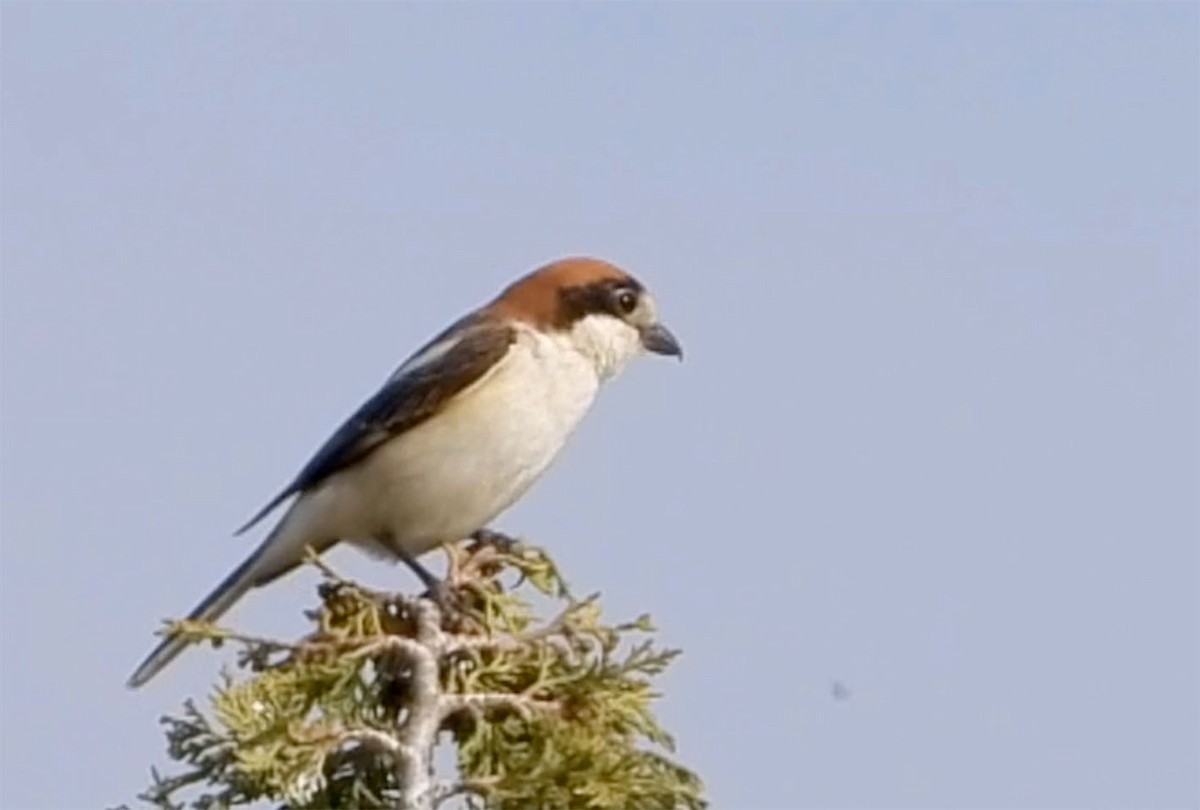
[434,351]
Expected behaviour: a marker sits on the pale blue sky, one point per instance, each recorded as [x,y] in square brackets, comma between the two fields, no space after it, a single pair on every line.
[935,267]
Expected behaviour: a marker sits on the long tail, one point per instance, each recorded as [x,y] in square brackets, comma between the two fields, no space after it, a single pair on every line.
[269,560]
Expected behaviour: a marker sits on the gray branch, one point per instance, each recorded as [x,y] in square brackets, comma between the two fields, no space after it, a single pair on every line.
[412,748]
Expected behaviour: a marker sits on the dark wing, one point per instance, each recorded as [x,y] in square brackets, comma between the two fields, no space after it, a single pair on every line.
[449,363]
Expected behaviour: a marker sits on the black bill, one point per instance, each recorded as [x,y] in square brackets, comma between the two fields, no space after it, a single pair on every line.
[658,339]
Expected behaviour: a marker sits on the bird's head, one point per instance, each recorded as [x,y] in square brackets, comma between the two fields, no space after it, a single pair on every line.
[603,312]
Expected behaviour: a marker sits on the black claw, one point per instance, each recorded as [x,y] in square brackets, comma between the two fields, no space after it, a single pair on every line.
[500,540]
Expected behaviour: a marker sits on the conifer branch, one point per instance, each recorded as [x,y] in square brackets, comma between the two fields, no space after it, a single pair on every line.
[540,714]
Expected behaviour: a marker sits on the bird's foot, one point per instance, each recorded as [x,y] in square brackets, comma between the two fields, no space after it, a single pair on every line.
[448,599]
[501,541]
[437,590]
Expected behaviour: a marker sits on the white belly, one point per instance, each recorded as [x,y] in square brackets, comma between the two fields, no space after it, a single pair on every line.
[457,471]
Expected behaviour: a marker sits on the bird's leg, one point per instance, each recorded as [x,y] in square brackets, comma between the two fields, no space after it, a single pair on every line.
[424,574]
[504,543]
[437,589]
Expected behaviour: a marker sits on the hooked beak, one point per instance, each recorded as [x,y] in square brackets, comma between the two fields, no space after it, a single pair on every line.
[658,339]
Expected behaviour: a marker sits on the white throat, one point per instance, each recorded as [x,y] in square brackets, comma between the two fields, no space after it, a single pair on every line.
[607,342]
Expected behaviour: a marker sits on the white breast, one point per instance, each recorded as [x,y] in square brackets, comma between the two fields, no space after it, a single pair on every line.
[457,471]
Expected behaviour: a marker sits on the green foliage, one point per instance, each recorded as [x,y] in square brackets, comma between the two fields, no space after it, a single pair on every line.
[553,715]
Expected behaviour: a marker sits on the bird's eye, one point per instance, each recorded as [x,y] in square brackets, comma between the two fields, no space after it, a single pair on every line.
[627,301]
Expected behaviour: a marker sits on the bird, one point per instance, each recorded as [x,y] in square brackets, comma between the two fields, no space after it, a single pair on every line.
[457,433]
